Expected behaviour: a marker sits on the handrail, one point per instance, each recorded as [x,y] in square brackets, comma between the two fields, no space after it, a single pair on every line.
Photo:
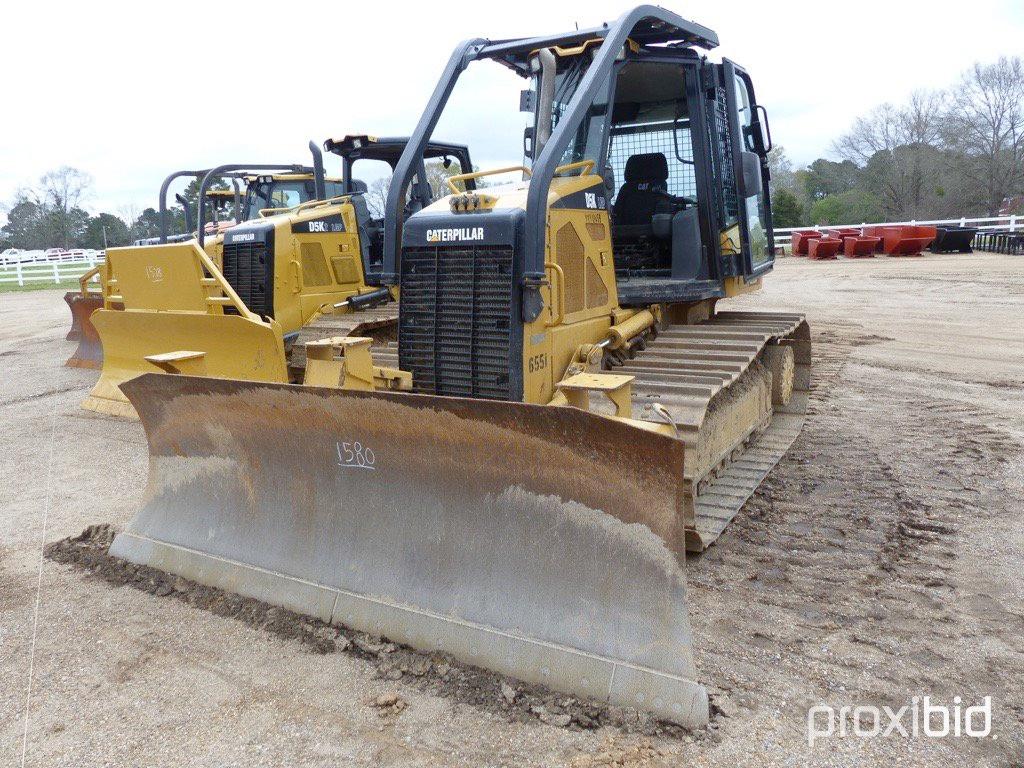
[264,212]
[479,174]
[561,292]
[224,285]
[586,165]
[83,281]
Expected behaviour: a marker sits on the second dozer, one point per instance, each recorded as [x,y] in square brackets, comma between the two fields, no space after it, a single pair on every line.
[246,307]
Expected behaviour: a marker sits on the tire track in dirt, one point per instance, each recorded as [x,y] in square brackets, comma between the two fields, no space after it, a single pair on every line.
[837,583]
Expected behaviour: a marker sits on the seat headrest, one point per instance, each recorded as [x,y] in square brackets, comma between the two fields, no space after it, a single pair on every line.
[652,167]
[358,185]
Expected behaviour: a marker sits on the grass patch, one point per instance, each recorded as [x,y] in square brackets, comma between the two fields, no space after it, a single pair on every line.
[37,279]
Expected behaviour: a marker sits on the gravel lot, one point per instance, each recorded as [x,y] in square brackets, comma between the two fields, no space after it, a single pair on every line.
[880,561]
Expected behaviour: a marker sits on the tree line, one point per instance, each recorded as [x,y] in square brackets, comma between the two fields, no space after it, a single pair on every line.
[50,215]
[943,154]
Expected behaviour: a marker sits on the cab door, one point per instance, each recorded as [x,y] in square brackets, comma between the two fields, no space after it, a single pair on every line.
[751,142]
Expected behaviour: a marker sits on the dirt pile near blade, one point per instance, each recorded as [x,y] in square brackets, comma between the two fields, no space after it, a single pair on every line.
[436,673]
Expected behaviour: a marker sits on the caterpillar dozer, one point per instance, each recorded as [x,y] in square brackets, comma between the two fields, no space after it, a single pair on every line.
[246,307]
[287,185]
[582,412]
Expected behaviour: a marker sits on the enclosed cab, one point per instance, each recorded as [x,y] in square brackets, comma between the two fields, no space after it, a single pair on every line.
[644,182]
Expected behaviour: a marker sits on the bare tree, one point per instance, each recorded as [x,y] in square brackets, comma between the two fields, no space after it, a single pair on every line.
[898,148]
[129,214]
[61,191]
[377,196]
[781,170]
[984,127]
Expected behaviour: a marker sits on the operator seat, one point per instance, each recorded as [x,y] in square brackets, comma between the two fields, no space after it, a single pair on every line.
[645,191]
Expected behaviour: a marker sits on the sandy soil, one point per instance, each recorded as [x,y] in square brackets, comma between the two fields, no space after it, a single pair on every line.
[880,561]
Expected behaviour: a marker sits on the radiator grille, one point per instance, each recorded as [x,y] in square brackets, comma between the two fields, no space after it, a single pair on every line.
[455,320]
[247,269]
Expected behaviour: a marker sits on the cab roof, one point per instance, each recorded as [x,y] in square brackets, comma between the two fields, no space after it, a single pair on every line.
[388,148]
[664,29]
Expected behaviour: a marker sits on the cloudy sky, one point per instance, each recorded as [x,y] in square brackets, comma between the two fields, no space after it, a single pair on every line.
[128,93]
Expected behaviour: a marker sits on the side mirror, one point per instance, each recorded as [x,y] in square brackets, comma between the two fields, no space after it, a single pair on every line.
[760,133]
[749,176]
[528,135]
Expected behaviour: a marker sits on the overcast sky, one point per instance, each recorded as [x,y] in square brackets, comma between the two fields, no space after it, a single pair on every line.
[131,91]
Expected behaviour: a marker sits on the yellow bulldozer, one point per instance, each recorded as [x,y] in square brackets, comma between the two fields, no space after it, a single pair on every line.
[266,186]
[245,307]
[582,412]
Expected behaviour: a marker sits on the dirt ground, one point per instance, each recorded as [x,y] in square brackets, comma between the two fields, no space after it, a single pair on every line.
[880,561]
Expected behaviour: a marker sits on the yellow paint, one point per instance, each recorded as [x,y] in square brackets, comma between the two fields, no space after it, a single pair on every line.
[729,240]
[580,297]
[145,341]
[735,286]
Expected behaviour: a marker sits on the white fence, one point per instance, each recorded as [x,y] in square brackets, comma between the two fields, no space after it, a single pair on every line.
[32,273]
[784,235]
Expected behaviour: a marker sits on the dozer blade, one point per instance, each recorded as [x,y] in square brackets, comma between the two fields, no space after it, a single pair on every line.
[137,341]
[535,541]
[89,353]
[76,325]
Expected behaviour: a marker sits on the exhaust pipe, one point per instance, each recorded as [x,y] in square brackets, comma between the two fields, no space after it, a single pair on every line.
[319,184]
[546,91]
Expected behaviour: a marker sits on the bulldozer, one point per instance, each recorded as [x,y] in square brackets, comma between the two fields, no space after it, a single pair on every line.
[287,183]
[244,303]
[579,413]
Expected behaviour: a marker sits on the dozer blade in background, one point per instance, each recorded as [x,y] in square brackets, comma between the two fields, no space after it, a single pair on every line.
[89,353]
[76,325]
[535,541]
[220,345]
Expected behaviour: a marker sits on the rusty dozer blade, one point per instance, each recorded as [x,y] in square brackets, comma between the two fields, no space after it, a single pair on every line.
[89,353]
[540,542]
[75,331]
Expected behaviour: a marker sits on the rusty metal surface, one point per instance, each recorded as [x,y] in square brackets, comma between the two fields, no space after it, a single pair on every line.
[505,522]
[89,353]
[76,324]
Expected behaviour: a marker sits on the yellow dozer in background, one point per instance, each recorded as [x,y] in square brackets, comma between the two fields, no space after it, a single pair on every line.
[266,186]
[582,412]
[245,310]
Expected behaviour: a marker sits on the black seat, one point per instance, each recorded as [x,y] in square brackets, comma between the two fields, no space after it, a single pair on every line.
[645,191]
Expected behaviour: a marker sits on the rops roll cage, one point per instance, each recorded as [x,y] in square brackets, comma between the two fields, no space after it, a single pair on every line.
[645,25]
[236,171]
